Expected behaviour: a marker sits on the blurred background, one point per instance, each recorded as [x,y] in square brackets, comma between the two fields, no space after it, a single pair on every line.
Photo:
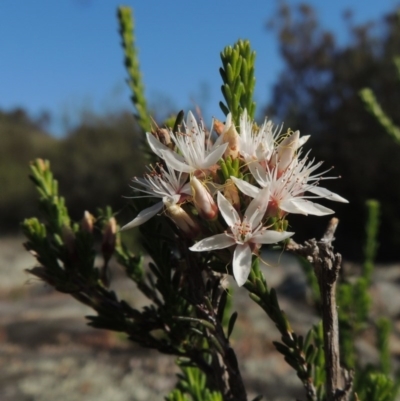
[63,97]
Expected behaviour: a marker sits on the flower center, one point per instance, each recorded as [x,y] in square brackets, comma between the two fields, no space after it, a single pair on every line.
[242,231]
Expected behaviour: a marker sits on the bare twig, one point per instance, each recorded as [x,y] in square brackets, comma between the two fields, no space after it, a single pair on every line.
[327,265]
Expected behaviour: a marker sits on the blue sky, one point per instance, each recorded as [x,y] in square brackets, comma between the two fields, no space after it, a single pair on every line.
[64,56]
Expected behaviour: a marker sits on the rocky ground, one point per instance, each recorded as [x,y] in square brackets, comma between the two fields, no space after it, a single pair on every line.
[47,352]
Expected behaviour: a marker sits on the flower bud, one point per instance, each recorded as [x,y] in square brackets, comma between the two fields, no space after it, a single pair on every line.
[164,137]
[218,126]
[109,238]
[41,165]
[285,152]
[231,136]
[87,222]
[182,219]
[231,193]
[68,238]
[203,200]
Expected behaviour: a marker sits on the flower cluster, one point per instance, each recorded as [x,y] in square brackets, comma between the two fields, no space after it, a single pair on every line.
[246,181]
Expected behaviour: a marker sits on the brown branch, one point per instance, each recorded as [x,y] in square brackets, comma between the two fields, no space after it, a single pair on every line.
[226,373]
[327,265]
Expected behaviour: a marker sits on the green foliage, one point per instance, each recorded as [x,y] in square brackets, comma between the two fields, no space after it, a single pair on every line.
[126,25]
[237,74]
[371,382]
[377,387]
[384,327]
[192,386]
[371,243]
[353,297]
[305,356]
[52,206]
[185,316]
[376,110]
[230,168]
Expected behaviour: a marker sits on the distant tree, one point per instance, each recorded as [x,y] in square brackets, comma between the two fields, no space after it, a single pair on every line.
[98,160]
[22,138]
[317,92]
[93,163]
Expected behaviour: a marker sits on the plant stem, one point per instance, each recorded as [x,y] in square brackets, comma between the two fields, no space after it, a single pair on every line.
[327,265]
[327,270]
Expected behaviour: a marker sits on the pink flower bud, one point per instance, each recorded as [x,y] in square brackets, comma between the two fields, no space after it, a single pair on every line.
[203,200]
[182,219]
[109,238]
[87,222]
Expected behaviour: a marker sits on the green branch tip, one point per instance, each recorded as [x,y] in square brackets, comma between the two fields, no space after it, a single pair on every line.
[126,30]
[375,109]
[237,73]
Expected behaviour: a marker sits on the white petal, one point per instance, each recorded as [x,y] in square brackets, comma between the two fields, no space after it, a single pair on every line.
[191,123]
[245,187]
[257,208]
[218,142]
[156,146]
[303,140]
[218,241]
[143,216]
[311,208]
[186,189]
[325,193]
[258,173]
[214,156]
[290,207]
[174,162]
[241,263]
[228,212]
[228,122]
[270,237]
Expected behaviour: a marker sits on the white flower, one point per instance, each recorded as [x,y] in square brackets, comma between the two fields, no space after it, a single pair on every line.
[287,190]
[195,154]
[260,145]
[167,185]
[256,145]
[246,234]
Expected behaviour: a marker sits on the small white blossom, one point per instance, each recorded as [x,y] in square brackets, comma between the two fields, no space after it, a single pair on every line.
[287,190]
[193,145]
[246,234]
[256,144]
[169,185]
